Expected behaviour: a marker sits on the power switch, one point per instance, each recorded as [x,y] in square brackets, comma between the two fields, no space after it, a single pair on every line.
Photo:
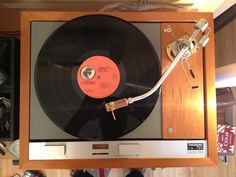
[129,149]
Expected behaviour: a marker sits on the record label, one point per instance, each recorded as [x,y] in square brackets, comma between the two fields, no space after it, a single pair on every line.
[98,77]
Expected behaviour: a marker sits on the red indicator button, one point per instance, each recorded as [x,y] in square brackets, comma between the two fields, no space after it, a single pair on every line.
[100,146]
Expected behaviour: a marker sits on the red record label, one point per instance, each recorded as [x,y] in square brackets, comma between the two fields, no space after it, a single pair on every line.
[98,77]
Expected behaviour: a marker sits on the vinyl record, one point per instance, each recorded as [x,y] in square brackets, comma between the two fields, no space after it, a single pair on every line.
[88,62]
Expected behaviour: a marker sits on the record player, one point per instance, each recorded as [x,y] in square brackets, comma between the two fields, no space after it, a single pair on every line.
[83,83]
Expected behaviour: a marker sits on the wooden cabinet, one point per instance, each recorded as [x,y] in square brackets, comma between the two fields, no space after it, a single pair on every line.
[191,113]
[182,105]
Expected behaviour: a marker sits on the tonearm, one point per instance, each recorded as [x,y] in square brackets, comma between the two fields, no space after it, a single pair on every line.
[179,50]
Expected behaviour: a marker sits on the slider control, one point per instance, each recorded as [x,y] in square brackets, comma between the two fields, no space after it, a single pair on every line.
[54,150]
[129,149]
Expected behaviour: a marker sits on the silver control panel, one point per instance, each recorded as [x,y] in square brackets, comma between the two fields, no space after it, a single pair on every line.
[118,149]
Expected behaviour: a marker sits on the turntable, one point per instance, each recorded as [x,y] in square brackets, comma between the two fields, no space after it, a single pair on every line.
[107,90]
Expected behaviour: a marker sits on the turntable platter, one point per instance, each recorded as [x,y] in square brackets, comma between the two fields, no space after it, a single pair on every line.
[75,104]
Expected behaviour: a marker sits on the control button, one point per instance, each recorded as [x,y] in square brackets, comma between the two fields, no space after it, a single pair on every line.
[129,149]
[54,150]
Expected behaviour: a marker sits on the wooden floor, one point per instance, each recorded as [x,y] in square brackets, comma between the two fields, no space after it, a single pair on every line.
[7,170]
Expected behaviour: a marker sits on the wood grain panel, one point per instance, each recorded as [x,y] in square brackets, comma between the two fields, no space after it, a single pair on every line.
[24,88]
[210,94]
[128,16]
[9,20]
[182,106]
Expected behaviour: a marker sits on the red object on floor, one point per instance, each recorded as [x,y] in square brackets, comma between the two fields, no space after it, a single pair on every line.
[226,135]
[101,172]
